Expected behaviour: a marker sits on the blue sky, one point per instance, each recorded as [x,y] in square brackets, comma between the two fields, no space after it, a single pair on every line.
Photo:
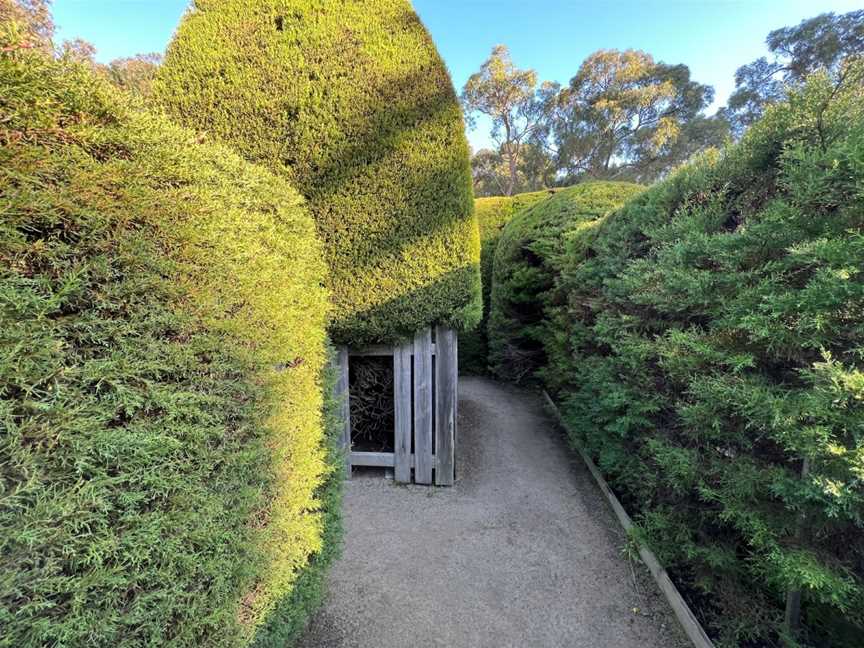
[553,37]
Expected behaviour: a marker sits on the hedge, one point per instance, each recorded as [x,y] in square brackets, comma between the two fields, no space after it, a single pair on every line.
[525,268]
[707,345]
[162,327]
[493,213]
[351,102]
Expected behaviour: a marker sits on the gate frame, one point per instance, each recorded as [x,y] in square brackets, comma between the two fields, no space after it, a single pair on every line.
[433,406]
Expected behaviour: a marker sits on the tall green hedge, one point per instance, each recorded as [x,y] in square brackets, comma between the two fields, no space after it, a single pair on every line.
[350,101]
[526,265]
[493,213]
[162,339]
[708,343]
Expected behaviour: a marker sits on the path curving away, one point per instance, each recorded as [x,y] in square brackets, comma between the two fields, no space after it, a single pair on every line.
[521,552]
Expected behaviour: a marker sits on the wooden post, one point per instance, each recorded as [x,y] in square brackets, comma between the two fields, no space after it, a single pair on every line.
[402,412]
[342,395]
[446,381]
[423,407]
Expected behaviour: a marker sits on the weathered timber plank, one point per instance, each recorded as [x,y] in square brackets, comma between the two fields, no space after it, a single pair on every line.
[379,459]
[402,411]
[423,407]
[446,381]
[380,350]
[343,399]
[374,459]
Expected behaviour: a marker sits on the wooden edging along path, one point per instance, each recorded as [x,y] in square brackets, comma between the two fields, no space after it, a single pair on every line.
[694,630]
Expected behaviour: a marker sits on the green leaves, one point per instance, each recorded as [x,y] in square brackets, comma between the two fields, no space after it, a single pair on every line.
[155,470]
[707,340]
[352,104]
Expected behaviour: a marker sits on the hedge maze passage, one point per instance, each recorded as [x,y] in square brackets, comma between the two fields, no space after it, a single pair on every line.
[704,342]
[522,271]
[230,274]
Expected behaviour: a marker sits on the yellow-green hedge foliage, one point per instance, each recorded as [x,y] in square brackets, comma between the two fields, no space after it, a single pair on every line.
[527,264]
[351,102]
[162,326]
[493,213]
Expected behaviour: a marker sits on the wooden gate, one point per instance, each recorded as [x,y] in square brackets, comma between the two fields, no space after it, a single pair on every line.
[425,379]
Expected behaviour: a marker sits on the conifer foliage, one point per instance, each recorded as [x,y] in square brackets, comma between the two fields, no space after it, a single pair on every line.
[162,326]
[493,213]
[527,263]
[351,102]
[707,344]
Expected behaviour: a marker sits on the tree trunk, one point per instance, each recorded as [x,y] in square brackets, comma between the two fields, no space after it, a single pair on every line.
[511,162]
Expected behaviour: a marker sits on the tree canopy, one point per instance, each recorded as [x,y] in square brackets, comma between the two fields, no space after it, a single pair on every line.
[511,99]
[623,115]
[819,43]
[623,112]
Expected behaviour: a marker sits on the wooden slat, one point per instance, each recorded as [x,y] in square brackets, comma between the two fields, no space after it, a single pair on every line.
[343,398]
[423,407]
[379,459]
[402,411]
[446,381]
[374,459]
[686,618]
[379,350]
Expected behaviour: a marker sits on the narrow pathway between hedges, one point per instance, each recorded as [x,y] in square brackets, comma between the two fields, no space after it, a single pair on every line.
[523,551]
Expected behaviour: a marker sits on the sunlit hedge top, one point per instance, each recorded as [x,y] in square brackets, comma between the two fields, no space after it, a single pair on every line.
[493,213]
[526,264]
[162,323]
[352,102]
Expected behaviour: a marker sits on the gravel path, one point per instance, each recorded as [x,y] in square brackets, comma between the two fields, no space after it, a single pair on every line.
[522,551]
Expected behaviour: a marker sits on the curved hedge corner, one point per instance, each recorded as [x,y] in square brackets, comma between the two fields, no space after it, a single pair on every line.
[492,215]
[162,323]
[350,101]
[526,263]
[713,338]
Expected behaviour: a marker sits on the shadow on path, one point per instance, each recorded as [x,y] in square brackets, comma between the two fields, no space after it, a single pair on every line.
[521,552]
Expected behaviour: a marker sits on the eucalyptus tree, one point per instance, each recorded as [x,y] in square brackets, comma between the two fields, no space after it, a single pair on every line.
[625,115]
[823,42]
[511,98]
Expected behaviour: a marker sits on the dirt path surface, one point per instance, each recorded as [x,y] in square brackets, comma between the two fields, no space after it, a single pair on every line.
[522,551]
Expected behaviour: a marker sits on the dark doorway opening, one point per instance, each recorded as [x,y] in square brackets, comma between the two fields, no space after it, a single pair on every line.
[372,408]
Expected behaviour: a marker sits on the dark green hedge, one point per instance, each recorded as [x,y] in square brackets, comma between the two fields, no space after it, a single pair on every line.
[525,267]
[162,338]
[352,103]
[493,213]
[707,340]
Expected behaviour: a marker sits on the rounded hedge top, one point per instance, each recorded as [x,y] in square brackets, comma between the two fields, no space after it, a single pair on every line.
[162,478]
[493,213]
[527,261]
[352,102]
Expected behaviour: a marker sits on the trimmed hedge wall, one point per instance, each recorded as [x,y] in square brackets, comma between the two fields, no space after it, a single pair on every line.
[493,213]
[351,102]
[162,325]
[707,343]
[525,267]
